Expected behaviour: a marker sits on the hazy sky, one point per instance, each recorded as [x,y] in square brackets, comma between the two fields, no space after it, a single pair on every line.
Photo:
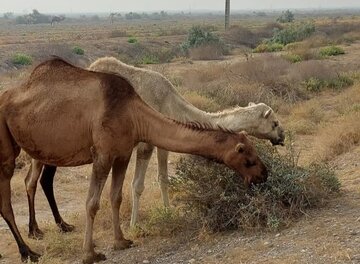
[151,5]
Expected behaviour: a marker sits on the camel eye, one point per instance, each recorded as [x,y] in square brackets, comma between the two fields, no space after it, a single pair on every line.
[276,124]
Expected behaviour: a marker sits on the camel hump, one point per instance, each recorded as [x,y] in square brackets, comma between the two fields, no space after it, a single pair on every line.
[116,90]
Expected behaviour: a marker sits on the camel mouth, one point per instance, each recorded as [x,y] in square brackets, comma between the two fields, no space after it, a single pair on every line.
[278,142]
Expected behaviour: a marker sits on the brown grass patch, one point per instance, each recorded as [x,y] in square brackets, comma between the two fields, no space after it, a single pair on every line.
[338,137]
[201,102]
[206,52]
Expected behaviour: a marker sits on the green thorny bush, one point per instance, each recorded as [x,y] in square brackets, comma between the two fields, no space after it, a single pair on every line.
[217,198]
[201,36]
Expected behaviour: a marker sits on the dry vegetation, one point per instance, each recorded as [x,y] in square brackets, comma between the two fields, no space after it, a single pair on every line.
[317,97]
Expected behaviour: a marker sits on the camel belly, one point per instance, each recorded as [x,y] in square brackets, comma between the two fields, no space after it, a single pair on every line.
[54,148]
[59,140]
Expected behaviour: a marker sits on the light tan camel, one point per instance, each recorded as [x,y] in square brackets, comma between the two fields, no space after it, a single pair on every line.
[68,116]
[257,119]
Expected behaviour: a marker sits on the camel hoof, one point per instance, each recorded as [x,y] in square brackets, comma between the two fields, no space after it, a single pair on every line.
[123,244]
[33,256]
[97,257]
[66,227]
[36,234]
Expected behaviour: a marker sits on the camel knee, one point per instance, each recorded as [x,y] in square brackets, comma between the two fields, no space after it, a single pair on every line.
[138,187]
[30,185]
[92,208]
[163,179]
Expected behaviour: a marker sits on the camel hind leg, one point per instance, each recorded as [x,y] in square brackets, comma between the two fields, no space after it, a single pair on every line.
[47,183]
[47,173]
[8,153]
[118,175]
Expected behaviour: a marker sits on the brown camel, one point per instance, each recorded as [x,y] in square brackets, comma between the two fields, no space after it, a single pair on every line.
[68,116]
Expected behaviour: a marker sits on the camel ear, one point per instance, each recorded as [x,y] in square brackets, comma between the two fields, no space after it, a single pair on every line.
[244,133]
[267,113]
[240,147]
[251,104]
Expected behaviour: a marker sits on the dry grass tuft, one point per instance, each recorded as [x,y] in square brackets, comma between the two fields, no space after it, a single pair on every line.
[338,137]
[201,102]
[206,52]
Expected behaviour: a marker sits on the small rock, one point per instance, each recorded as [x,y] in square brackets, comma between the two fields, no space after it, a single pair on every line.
[267,243]
[192,260]
[356,257]
[209,251]
[303,250]
[146,261]
[277,235]
[353,233]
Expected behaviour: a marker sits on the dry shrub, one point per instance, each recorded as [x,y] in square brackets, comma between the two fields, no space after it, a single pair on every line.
[305,118]
[63,246]
[149,53]
[201,102]
[305,70]
[216,197]
[250,38]
[306,54]
[336,30]
[262,68]
[271,73]
[118,33]
[162,221]
[339,136]
[206,52]
[242,36]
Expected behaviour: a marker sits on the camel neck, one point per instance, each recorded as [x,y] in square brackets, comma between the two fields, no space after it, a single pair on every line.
[154,128]
[237,119]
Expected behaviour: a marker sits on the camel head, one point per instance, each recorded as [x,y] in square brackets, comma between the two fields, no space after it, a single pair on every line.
[268,125]
[241,156]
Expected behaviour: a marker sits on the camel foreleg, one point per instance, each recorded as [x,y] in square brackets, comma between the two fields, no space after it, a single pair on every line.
[101,167]
[163,178]
[143,155]
[8,153]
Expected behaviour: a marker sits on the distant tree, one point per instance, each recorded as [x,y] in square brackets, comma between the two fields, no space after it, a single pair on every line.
[113,16]
[8,15]
[132,15]
[286,17]
[260,14]
[33,18]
